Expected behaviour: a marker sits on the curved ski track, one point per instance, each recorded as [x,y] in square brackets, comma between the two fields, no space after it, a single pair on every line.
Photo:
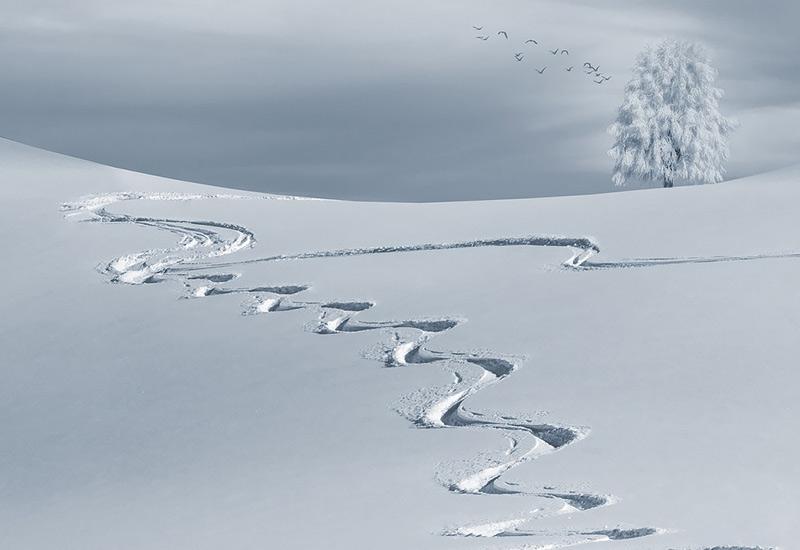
[444,407]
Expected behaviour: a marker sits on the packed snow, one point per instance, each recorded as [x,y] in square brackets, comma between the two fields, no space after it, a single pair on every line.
[190,368]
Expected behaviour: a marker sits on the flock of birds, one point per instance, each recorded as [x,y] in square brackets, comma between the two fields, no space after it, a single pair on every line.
[589,69]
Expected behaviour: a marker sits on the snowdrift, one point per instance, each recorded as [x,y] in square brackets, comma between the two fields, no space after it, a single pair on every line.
[187,367]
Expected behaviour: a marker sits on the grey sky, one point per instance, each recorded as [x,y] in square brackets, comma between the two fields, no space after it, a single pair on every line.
[374,99]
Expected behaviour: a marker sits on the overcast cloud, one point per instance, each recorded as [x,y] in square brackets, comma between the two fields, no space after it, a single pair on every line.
[381,99]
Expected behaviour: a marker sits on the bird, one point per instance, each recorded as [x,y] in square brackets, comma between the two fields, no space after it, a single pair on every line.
[569,68]
[564,52]
[484,38]
[599,81]
[541,71]
[531,40]
[477,28]
[587,64]
[518,56]
[554,52]
[504,33]
[606,77]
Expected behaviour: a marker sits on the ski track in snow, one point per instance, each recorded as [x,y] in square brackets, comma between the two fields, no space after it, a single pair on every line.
[188,263]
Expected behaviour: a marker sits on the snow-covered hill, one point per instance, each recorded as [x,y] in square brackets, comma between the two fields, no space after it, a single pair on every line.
[189,367]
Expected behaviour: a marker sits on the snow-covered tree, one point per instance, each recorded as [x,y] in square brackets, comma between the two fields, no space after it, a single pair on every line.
[669,127]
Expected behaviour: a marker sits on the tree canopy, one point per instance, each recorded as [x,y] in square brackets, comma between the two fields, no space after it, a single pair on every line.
[669,127]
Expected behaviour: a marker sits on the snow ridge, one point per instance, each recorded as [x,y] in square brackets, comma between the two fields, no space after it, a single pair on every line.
[429,408]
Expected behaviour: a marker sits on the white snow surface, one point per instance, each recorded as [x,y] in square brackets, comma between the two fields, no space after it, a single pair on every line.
[185,367]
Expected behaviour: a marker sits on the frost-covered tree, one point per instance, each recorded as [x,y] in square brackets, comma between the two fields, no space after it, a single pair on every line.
[669,127]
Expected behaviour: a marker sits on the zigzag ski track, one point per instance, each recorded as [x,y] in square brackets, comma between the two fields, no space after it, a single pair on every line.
[406,343]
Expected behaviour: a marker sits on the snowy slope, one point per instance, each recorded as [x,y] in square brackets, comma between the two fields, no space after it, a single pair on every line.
[187,367]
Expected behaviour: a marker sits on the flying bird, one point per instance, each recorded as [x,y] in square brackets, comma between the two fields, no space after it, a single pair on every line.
[504,33]
[599,81]
[484,38]
[587,64]
[554,52]
[518,56]
[541,71]
[531,40]
[569,69]
[606,77]
[477,28]
[564,52]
